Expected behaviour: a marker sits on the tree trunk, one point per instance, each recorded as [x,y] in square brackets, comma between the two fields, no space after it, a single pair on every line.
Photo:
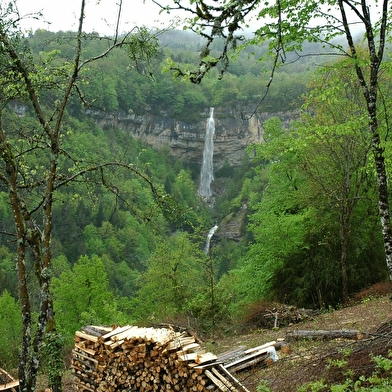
[345,234]
[370,85]
[383,202]
[379,160]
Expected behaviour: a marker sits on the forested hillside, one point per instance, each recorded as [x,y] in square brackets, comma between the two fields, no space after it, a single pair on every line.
[138,88]
[305,200]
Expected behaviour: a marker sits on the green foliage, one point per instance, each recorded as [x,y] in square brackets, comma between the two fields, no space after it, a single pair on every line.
[7,271]
[308,203]
[215,306]
[378,381]
[174,276]
[126,89]
[10,330]
[314,386]
[54,356]
[82,297]
[142,49]
[263,387]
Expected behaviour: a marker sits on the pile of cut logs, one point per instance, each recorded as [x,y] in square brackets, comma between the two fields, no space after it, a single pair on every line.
[129,358]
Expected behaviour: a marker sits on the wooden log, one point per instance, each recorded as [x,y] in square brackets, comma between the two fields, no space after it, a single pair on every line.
[88,351]
[82,387]
[140,359]
[86,336]
[87,357]
[324,334]
[85,365]
[180,341]
[283,346]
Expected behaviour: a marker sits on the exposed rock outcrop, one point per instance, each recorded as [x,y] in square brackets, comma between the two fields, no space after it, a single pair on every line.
[231,226]
[235,129]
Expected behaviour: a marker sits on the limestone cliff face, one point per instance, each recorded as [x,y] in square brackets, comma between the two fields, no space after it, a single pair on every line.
[234,131]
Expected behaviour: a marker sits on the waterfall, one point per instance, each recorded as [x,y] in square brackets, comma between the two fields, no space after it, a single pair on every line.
[207,173]
[209,236]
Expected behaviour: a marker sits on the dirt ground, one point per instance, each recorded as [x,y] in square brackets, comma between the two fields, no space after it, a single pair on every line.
[370,311]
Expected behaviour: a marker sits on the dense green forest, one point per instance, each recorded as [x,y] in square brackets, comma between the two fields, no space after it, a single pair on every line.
[311,233]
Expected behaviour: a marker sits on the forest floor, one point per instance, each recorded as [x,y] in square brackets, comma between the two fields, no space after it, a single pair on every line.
[307,360]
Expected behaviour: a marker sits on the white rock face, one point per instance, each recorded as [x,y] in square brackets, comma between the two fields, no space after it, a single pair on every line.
[234,131]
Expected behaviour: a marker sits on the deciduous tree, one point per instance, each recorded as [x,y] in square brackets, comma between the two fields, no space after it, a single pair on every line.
[172,278]
[334,153]
[82,297]
[35,162]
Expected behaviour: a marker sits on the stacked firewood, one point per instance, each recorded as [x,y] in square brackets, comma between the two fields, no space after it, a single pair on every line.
[139,359]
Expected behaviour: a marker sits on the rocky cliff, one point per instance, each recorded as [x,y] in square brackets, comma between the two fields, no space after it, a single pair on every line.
[234,131]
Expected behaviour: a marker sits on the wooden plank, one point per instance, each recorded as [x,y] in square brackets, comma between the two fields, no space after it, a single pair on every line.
[224,380]
[86,336]
[188,357]
[127,333]
[247,358]
[229,375]
[115,331]
[216,381]
[182,352]
[204,365]
[251,350]
[247,364]
[163,336]
[86,350]
[191,346]
[207,357]
[9,385]
[180,341]
[231,353]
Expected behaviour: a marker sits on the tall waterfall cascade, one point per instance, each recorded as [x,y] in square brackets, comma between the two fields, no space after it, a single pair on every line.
[209,236]
[207,171]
